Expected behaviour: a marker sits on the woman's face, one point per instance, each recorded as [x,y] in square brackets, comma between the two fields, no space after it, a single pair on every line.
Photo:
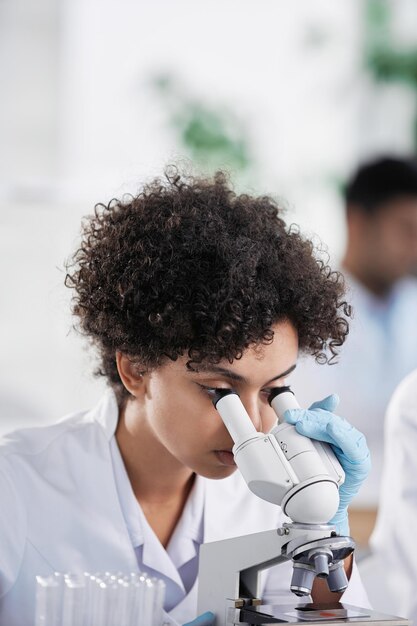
[178,405]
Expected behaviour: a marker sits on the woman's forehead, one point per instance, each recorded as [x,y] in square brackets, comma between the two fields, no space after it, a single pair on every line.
[261,359]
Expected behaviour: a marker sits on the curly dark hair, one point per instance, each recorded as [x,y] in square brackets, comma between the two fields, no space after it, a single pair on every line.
[190,267]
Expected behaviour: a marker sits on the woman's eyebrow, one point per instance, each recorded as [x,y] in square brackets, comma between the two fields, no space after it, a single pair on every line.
[223,371]
[288,371]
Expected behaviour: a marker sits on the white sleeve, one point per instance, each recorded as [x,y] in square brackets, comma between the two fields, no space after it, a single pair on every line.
[392,542]
[12,530]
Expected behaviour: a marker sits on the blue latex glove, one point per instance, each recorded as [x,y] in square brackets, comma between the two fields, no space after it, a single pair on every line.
[206,619]
[349,445]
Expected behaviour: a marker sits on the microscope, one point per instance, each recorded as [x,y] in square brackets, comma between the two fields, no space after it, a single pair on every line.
[302,476]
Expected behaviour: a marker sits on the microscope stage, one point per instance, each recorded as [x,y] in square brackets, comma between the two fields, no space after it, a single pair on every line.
[331,614]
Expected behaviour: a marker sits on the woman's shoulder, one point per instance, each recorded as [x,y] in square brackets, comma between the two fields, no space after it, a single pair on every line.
[32,441]
[41,439]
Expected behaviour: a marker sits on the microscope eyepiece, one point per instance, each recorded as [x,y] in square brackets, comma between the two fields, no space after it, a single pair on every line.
[278,391]
[221,393]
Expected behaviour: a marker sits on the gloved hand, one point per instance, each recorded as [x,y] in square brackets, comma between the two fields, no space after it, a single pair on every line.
[349,445]
[206,619]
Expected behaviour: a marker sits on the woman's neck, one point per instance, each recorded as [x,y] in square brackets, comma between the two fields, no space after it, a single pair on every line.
[153,472]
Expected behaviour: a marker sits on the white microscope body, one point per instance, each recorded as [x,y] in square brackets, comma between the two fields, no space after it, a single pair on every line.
[298,474]
[283,467]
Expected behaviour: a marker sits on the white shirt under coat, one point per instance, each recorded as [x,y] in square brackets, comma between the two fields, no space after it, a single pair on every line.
[60,510]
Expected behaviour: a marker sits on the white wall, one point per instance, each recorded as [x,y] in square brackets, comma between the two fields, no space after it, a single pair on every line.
[80,123]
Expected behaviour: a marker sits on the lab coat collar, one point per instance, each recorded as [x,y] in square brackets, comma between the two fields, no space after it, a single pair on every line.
[154,555]
[187,536]
[233,490]
[189,532]
[190,526]
[128,503]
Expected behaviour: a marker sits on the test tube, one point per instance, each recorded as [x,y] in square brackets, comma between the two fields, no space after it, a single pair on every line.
[98,602]
[88,582]
[148,603]
[141,605]
[112,602]
[101,599]
[73,601]
[47,601]
[159,599]
[125,597]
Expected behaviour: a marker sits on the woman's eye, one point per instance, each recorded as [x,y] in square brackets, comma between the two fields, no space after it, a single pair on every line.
[267,392]
[211,391]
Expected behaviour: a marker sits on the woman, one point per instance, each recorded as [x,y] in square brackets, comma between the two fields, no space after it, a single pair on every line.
[183,289]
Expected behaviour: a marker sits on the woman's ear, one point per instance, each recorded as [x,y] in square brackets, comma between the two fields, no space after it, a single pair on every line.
[130,375]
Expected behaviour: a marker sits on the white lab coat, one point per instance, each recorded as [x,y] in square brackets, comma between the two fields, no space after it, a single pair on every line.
[391,571]
[59,511]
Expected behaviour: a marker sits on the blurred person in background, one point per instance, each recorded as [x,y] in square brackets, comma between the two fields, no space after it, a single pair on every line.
[381,254]
[393,545]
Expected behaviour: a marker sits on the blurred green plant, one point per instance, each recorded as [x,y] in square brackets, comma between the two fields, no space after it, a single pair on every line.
[385,61]
[211,136]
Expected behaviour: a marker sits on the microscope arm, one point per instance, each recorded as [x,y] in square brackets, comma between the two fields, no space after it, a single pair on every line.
[230,569]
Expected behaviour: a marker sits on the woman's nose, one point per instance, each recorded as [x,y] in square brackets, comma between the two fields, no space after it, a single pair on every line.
[257,413]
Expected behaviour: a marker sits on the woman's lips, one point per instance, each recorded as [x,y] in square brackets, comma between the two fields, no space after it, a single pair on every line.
[226,457]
